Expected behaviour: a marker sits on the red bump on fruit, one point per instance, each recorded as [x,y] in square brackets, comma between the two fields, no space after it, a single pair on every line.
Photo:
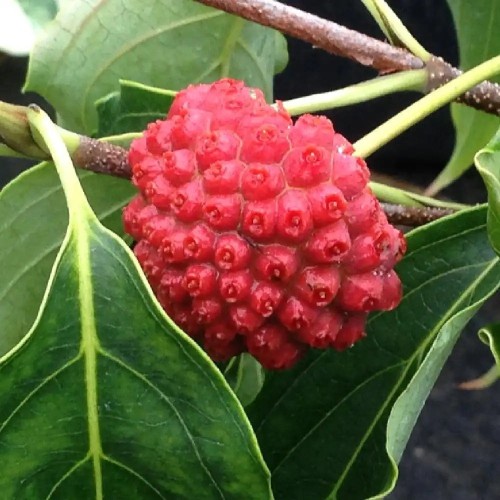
[259,219]
[311,129]
[222,342]
[186,202]
[173,248]
[317,285]
[266,144]
[244,318]
[146,171]
[329,244]
[158,192]
[350,174]
[206,310]
[200,280]
[307,166]
[361,292]
[157,228]
[362,213]
[262,181]
[235,286]
[178,166]
[295,314]
[266,298]
[232,253]
[171,286]
[199,243]
[188,127]
[222,212]
[218,145]
[327,204]
[276,263]
[294,222]
[272,346]
[353,329]
[323,331]
[223,177]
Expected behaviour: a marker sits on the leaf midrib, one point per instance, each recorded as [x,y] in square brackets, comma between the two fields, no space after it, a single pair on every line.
[81,230]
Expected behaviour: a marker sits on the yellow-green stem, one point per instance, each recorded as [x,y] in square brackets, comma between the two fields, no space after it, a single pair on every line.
[394,29]
[361,92]
[44,130]
[425,106]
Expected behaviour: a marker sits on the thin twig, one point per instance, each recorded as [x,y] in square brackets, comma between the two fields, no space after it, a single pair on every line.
[414,216]
[102,157]
[366,50]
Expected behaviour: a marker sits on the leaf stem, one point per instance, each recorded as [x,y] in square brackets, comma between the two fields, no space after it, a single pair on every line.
[391,194]
[394,28]
[361,92]
[43,127]
[483,382]
[425,106]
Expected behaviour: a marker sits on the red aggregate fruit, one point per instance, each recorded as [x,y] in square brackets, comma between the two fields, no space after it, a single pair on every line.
[257,234]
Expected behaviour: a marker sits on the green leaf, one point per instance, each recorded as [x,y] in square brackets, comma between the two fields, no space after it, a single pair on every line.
[33,220]
[163,43]
[488,164]
[132,108]
[476,24]
[40,12]
[322,426]
[490,335]
[246,376]
[124,405]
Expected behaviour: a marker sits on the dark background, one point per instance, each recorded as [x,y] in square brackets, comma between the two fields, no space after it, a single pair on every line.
[454,448]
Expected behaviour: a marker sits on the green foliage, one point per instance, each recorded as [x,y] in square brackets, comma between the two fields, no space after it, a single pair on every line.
[163,43]
[123,403]
[30,247]
[490,335]
[476,24]
[131,108]
[488,164]
[323,426]
[40,12]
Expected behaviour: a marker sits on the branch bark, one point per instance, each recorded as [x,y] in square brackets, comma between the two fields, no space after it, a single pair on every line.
[413,216]
[361,48]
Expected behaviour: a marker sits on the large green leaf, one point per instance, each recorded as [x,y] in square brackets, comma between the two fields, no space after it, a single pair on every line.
[477,31]
[105,397]
[488,164]
[33,220]
[131,108]
[163,43]
[323,425]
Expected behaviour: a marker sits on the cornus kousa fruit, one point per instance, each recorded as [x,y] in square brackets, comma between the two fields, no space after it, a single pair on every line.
[258,234]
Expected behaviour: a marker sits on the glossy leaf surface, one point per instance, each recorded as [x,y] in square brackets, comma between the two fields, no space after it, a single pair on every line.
[105,398]
[163,43]
[476,24]
[33,221]
[488,164]
[132,108]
